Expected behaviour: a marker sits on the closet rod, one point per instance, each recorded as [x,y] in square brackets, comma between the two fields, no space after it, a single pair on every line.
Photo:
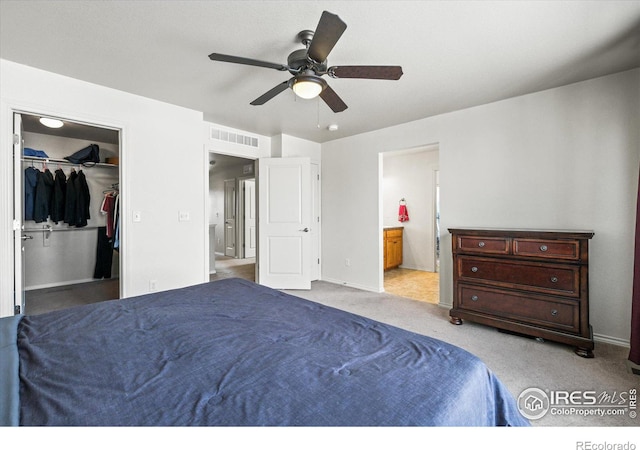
[64,162]
[49,228]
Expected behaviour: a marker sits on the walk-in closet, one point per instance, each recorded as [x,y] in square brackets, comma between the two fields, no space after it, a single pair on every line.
[71,219]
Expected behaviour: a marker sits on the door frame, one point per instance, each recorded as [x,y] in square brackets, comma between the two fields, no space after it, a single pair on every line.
[230,204]
[15,182]
[18,211]
[241,223]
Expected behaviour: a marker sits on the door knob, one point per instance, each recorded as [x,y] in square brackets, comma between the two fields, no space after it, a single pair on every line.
[24,238]
[305,229]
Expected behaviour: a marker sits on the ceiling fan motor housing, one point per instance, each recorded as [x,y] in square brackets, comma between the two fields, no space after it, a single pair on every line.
[299,62]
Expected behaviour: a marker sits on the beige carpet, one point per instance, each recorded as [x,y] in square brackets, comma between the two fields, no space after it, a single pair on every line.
[413,284]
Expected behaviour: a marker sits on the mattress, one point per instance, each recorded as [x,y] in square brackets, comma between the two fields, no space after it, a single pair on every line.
[235,353]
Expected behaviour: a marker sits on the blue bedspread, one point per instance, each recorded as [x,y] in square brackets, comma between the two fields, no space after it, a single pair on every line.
[235,353]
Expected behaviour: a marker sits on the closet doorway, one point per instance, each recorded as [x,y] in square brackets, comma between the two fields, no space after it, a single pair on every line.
[67,214]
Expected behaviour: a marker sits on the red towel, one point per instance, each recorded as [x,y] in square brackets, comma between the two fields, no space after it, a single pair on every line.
[403,214]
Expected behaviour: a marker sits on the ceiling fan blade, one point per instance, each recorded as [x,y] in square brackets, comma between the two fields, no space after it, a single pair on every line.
[332,100]
[246,61]
[329,29]
[370,72]
[264,98]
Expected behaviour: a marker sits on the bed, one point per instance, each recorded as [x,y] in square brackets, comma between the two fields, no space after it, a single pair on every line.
[235,353]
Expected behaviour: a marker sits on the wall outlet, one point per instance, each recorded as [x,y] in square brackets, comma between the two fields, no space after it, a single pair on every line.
[347,262]
[153,285]
[184,216]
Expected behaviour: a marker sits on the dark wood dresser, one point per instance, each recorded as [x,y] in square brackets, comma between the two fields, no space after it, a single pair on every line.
[530,282]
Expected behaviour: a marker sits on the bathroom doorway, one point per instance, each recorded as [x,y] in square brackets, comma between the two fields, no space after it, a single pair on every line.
[410,184]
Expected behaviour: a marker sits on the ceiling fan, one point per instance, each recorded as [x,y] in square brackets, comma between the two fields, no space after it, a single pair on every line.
[308,65]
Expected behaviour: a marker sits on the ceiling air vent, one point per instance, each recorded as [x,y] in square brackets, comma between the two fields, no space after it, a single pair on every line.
[236,138]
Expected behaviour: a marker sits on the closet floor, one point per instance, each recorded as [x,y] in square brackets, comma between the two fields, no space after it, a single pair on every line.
[61,297]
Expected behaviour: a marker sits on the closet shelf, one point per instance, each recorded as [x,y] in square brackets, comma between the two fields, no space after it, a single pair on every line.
[49,229]
[65,162]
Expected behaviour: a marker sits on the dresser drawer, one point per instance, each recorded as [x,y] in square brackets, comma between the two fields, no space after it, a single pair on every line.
[546,278]
[552,249]
[480,244]
[548,312]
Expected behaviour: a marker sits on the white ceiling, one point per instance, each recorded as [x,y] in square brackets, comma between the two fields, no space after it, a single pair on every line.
[454,54]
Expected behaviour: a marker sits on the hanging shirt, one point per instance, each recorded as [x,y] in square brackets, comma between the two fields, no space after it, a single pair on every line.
[70,203]
[108,208]
[84,200]
[44,190]
[116,239]
[56,211]
[30,180]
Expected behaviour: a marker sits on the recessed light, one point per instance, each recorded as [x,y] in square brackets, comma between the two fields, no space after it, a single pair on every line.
[332,127]
[51,123]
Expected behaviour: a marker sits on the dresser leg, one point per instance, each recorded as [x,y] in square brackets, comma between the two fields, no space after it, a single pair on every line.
[584,352]
[455,320]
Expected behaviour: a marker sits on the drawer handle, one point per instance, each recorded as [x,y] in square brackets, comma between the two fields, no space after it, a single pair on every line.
[474,269]
[543,248]
[554,279]
[554,312]
[474,298]
[481,244]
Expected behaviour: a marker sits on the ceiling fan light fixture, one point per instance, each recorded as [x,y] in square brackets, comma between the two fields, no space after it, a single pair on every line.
[308,86]
[51,123]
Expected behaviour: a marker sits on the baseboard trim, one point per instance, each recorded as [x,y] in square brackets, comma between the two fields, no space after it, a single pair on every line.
[352,285]
[65,283]
[611,340]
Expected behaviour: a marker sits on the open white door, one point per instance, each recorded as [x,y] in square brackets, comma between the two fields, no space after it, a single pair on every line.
[18,250]
[284,222]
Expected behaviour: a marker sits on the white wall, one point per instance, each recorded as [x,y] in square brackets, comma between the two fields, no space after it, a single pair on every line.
[163,173]
[285,146]
[566,158]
